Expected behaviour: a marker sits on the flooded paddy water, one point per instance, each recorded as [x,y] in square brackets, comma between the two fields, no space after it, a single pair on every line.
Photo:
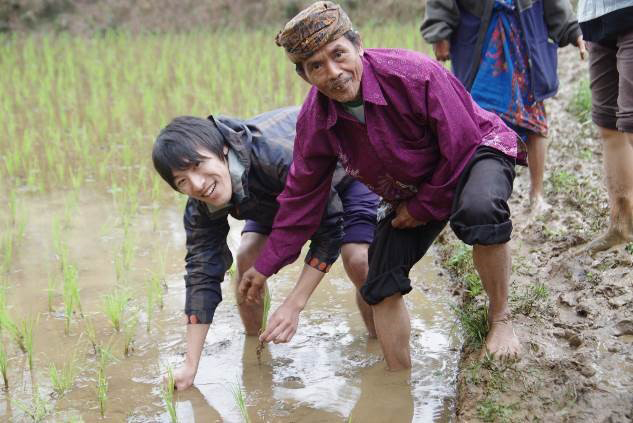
[92,249]
[329,372]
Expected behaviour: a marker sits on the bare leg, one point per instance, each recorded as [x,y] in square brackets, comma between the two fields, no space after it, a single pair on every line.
[393,328]
[183,376]
[537,152]
[251,244]
[494,265]
[617,150]
[356,266]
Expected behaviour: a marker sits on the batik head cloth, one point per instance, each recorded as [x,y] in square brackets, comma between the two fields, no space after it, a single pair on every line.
[312,28]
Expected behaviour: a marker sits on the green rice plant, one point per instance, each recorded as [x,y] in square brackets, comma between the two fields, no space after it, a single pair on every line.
[530,299]
[168,396]
[70,293]
[474,321]
[265,312]
[26,333]
[562,181]
[7,324]
[4,365]
[129,330]
[7,250]
[39,407]
[240,401]
[51,289]
[154,291]
[114,306]
[63,379]
[461,260]
[102,391]
[91,333]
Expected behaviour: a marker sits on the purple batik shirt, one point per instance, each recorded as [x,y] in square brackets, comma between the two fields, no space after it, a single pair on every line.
[422,127]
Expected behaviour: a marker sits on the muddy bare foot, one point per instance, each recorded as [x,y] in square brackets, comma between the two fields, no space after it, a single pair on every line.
[608,240]
[183,378]
[538,206]
[501,342]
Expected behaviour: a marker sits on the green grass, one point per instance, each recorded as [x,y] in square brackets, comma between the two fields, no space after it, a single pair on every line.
[531,298]
[562,181]
[70,294]
[474,322]
[580,104]
[4,364]
[490,410]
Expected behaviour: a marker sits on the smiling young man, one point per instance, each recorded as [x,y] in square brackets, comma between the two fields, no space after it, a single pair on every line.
[407,128]
[229,166]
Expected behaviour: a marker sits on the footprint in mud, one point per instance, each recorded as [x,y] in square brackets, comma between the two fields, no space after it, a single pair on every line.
[624,327]
[293,382]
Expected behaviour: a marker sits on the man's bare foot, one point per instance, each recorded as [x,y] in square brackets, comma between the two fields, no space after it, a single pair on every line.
[608,240]
[538,206]
[502,342]
[183,377]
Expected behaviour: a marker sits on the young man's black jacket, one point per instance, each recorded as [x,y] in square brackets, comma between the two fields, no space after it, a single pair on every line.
[260,154]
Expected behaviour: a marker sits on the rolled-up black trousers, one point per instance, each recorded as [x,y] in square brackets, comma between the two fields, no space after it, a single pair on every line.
[480,215]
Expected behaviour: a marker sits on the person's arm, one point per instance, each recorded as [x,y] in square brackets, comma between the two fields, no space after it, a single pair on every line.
[301,207]
[208,257]
[441,18]
[562,25]
[282,324]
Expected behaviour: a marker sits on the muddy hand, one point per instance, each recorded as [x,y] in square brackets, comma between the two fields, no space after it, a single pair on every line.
[251,286]
[282,325]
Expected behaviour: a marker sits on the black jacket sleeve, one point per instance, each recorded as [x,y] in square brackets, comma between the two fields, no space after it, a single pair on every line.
[207,260]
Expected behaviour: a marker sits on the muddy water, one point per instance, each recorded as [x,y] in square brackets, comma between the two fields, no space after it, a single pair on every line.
[329,372]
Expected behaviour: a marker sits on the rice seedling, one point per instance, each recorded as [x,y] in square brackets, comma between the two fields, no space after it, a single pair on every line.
[105,356]
[7,323]
[4,365]
[474,322]
[154,291]
[63,379]
[26,329]
[39,407]
[129,330]
[168,396]
[91,333]
[70,293]
[114,306]
[265,312]
[240,401]
[51,289]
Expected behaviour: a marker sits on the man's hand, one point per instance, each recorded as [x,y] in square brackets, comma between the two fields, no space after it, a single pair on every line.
[252,286]
[403,219]
[282,325]
[582,48]
[442,50]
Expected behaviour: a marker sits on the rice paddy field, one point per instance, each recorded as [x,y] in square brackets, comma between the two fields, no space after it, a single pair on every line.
[92,248]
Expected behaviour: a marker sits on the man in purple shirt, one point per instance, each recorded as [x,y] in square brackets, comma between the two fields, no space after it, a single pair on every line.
[408,129]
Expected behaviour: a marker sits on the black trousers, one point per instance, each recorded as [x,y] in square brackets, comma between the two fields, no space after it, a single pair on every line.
[480,215]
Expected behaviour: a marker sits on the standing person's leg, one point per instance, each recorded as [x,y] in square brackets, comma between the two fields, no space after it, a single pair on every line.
[481,217]
[611,73]
[537,153]
[359,224]
[356,266]
[251,244]
[391,256]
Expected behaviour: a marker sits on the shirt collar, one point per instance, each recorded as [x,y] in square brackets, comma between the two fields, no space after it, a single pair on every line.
[370,91]
[236,171]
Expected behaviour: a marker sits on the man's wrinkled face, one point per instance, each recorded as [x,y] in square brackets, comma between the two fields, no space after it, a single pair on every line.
[336,70]
[208,180]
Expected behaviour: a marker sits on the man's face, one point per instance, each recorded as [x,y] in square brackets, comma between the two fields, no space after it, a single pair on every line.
[208,181]
[336,70]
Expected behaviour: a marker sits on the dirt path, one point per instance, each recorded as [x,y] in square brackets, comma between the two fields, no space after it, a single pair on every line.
[573,312]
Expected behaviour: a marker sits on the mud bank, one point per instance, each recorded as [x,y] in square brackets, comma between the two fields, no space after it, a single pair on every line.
[572,312]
